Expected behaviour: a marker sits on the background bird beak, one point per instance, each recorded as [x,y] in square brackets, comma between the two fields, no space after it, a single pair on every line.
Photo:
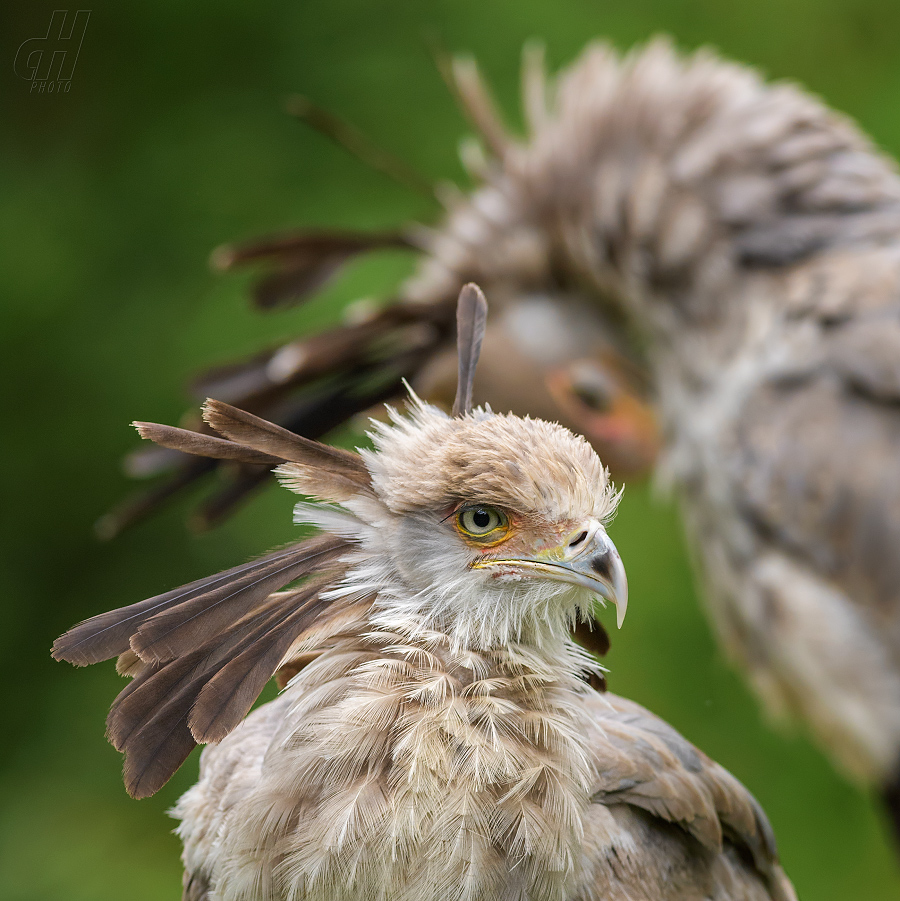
[593,563]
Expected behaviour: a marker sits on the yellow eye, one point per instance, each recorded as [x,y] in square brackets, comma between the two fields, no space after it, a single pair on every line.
[482,522]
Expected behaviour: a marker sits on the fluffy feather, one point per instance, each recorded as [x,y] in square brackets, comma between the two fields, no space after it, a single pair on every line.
[430,460]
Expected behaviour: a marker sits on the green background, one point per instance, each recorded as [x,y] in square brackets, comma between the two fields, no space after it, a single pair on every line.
[172,140]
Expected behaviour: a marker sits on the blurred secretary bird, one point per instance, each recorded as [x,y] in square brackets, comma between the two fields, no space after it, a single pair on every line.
[436,740]
[747,240]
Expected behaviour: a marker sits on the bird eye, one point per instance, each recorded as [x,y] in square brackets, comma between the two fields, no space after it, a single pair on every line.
[593,388]
[480,521]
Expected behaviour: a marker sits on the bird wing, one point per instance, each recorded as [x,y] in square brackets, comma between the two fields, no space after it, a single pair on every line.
[817,453]
[813,462]
[643,764]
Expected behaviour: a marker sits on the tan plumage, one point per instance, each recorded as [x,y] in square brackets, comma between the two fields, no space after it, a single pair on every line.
[437,738]
[395,770]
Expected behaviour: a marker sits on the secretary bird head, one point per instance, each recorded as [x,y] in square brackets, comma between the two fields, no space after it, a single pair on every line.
[496,521]
[484,528]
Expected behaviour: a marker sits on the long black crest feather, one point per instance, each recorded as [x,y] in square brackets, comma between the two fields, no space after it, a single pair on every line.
[471,319]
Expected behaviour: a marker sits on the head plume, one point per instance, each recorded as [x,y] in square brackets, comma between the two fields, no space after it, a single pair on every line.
[471,320]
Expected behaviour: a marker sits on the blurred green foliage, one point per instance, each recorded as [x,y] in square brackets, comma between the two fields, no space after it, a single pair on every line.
[172,140]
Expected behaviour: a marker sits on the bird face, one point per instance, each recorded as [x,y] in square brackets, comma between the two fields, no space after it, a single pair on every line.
[495,521]
[518,549]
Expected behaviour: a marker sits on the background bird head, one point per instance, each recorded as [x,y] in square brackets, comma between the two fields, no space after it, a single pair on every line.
[552,357]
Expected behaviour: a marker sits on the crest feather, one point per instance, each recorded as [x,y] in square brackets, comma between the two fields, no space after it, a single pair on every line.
[471,320]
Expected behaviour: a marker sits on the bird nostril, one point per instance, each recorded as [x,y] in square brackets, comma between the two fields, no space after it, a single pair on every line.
[602,565]
[578,539]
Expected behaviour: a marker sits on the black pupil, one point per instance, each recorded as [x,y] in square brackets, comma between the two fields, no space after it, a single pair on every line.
[481,518]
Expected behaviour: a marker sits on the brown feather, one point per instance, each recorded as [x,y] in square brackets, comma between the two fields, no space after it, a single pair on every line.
[189,442]
[288,670]
[108,634]
[237,486]
[250,430]
[227,698]
[471,320]
[348,350]
[148,693]
[592,637]
[296,283]
[303,245]
[358,144]
[148,769]
[291,365]
[148,461]
[157,683]
[194,887]
[305,261]
[309,416]
[156,746]
[178,630]
[149,719]
[364,363]
[239,381]
[140,504]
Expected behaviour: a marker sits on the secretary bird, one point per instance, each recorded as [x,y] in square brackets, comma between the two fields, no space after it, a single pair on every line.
[436,738]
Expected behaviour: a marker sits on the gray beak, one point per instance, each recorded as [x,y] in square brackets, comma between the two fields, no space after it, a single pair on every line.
[599,568]
[590,560]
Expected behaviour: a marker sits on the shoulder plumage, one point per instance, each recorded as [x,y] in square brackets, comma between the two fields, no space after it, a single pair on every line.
[643,762]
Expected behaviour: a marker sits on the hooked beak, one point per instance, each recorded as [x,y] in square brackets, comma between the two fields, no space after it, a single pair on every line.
[590,560]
